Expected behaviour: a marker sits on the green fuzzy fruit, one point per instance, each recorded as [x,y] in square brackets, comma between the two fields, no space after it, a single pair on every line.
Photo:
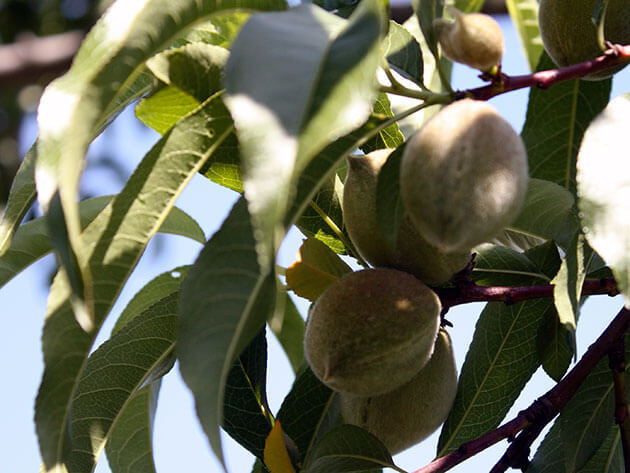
[463,176]
[412,252]
[371,331]
[409,414]
[570,36]
[474,39]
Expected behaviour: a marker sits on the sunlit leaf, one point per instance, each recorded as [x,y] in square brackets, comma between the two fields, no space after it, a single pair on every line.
[166,107]
[524,14]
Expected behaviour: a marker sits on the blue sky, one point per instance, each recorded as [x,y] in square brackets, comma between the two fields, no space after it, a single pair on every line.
[179,443]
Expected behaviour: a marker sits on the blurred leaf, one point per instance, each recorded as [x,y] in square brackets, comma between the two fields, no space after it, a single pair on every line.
[111,57]
[348,448]
[130,444]
[403,52]
[501,359]
[287,325]
[468,6]
[117,238]
[327,66]
[524,14]
[389,205]
[195,68]
[604,189]
[389,137]
[309,410]
[163,109]
[225,299]
[276,456]
[426,11]
[220,29]
[548,213]
[246,415]
[113,374]
[316,268]
[555,122]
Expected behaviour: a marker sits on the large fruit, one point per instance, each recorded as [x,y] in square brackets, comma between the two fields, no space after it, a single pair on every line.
[412,253]
[409,414]
[570,36]
[371,331]
[474,39]
[463,176]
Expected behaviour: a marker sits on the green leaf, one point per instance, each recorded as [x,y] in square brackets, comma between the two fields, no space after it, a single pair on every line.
[549,457]
[246,415]
[166,107]
[288,326]
[113,374]
[604,190]
[316,268]
[225,300]
[117,238]
[389,137]
[501,359]
[403,52]
[427,11]
[389,205]
[221,29]
[195,68]
[524,14]
[548,213]
[468,6]
[129,447]
[31,239]
[308,411]
[328,68]
[609,456]
[555,122]
[111,57]
[556,345]
[497,265]
[348,448]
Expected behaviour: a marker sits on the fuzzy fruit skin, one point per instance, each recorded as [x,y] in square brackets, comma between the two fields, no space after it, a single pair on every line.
[463,176]
[569,35]
[409,414]
[371,331]
[412,252]
[474,39]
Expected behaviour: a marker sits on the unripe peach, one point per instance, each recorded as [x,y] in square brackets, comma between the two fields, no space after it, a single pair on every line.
[371,331]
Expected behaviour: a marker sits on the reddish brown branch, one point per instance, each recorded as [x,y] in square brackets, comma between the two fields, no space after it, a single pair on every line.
[465,293]
[617,54]
[532,420]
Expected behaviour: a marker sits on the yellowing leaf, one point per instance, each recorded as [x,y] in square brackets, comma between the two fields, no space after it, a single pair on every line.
[316,268]
[276,456]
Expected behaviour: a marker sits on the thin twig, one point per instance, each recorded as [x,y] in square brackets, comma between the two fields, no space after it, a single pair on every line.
[532,420]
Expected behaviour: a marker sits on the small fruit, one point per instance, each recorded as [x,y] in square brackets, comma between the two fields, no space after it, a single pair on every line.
[463,176]
[409,414]
[371,331]
[474,39]
[570,36]
[412,253]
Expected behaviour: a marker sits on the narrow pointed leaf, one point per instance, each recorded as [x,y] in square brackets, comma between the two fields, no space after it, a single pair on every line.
[110,59]
[524,14]
[427,11]
[316,268]
[389,205]
[555,122]
[328,68]
[276,455]
[288,327]
[113,374]
[119,235]
[556,345]
[501,359]
[348,448]
[246,416]
[604,189]
[225,299]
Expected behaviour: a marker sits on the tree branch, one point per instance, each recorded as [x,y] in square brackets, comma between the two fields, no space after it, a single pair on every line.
[532,420]
[616,54]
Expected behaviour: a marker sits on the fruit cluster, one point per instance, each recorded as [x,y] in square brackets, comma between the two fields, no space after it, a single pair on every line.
[374,335]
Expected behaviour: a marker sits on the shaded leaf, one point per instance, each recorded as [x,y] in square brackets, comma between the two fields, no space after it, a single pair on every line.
[276,455]
[316,268]
[556,347]
[389,205]
[549,457]
[288,326]
[604,190]
[609,456]
[246,415]
[427,11]
[220,29]
[348,448]
[389,137]
[113,374]
[117,236]
[524,14]
[225,299]
[403,52]
[555,122]
[497,265]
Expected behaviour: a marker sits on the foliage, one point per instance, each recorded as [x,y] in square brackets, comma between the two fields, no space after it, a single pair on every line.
[268,100]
